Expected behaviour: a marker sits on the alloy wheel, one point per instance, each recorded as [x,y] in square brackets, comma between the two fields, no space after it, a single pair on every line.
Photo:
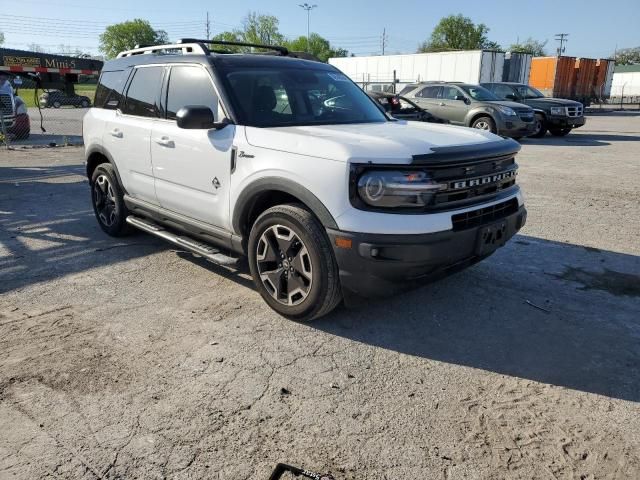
[284,265]
[105,201]
[482,125]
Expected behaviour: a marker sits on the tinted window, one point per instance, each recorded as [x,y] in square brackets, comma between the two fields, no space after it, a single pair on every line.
[272,96]
[428,92]
[450,93]
[502,91]
[109,90]
[190,86]
[407,89]
[479,93]
[143,92]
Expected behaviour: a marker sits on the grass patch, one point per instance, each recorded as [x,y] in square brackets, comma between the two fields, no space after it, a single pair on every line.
[26,94]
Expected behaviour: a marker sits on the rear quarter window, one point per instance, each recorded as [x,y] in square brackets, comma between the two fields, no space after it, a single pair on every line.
[109,90]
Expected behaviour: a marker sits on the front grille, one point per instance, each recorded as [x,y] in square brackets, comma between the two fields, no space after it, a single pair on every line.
[525,115]
[6,106]
[483,216]
[473,183]
[574,111]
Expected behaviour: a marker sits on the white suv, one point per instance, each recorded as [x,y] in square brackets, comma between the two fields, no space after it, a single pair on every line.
[287,162]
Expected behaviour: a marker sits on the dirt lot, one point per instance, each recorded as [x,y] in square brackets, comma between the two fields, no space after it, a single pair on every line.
[129,359]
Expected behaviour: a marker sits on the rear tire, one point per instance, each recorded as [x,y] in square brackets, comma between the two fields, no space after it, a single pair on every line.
[107,199]
[292,263]
[541,126]
[485,123]
[563,132]
[84,104]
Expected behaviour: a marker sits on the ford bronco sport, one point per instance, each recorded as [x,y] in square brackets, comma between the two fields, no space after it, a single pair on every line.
[288,162]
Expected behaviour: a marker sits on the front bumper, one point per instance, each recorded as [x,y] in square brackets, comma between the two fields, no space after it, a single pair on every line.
[380,265]
[514,127]
[554,122]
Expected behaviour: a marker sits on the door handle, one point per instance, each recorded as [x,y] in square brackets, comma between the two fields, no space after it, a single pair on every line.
[165,142]
[116,133]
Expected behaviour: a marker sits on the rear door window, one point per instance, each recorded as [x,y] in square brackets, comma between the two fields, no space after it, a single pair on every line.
[190,85]
[109,90]
[428,92]
[143,94]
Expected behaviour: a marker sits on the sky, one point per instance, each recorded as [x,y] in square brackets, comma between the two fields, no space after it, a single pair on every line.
[595,29]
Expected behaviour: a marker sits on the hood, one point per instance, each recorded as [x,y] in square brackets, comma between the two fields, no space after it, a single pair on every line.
[388,142]
[508,103]
[552,102]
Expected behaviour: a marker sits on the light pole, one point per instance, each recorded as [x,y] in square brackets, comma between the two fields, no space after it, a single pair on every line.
[308,8]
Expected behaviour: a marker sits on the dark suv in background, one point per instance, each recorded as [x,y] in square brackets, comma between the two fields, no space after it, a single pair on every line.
[58,98]
[472,106]
[557,115]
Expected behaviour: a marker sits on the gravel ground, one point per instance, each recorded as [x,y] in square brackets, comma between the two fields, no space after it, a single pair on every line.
[124,358]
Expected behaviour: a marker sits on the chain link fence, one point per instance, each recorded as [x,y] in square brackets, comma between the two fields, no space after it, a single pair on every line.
[38,118]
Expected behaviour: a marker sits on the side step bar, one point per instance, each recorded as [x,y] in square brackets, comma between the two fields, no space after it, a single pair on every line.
[202,249]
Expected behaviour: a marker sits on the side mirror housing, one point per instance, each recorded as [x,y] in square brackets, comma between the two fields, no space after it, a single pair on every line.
[512,97]
[461,98]
[198,117]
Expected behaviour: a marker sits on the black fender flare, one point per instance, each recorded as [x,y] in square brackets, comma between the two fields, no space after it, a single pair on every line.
[279,184]
[102,151]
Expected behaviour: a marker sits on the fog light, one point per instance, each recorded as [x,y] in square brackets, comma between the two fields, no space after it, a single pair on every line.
[375,252]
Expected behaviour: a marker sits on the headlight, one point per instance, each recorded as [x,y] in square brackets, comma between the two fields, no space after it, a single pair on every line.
[397,189]
[557,110]
[508,111]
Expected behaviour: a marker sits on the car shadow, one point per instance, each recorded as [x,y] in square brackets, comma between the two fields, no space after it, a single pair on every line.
[550,312]
[48,229]
[580,140]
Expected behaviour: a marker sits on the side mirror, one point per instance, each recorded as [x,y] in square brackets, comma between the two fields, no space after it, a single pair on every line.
[461,98]
[512,97]
[198,118]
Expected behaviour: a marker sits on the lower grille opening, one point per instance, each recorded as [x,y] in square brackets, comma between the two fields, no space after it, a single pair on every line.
[483,216]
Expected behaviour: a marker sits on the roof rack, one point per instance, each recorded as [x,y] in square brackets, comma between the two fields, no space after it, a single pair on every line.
[281,50]
[191,48]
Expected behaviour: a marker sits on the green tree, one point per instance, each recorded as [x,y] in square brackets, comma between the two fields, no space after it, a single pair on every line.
[126,35]
[457,32]
[534,47]
[264,30]
[1,38]
[627,56]
[317,46]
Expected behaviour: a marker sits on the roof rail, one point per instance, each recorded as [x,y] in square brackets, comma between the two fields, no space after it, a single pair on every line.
[282,50]
[191,48]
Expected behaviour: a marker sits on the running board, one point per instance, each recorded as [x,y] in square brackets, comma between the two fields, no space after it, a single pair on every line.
[199,248]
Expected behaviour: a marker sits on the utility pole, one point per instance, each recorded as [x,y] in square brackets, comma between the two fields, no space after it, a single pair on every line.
[562,38]
[308,8]
[208,27]
[384,39]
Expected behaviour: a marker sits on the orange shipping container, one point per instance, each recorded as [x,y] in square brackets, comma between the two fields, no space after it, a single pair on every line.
[554,76]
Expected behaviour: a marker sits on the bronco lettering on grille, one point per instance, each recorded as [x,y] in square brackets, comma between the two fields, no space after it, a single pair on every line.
[475,182]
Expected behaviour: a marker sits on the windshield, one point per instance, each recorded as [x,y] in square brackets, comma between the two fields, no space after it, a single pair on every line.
[272,97]
[479,93]
[528,92]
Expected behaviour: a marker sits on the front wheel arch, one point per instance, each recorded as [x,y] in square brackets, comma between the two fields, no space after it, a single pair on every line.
[270,191]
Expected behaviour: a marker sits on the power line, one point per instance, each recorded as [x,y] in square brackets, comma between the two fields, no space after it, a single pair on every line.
[562,38]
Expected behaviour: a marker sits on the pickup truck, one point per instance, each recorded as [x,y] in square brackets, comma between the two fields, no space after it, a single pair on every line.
[556,115]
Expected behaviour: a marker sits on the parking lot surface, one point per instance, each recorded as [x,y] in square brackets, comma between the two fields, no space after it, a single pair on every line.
[124,358]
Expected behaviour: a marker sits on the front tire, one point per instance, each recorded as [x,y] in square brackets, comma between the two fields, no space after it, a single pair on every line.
[107,199]
[541,126]
[57,104]
[292,263]
[563,132]
[485,123]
